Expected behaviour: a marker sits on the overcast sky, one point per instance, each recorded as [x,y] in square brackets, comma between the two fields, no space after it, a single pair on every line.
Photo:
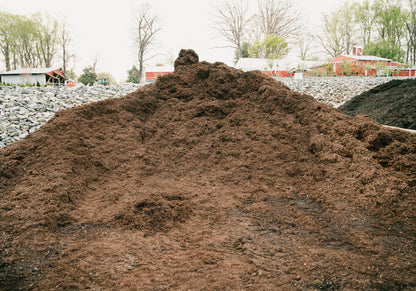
[104,29]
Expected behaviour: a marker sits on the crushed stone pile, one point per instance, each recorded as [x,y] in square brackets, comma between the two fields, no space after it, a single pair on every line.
[25,109]
[210,178]
[391,104]
[335,90]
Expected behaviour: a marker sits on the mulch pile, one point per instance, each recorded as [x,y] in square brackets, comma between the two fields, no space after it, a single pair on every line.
[209,179]
[392,103]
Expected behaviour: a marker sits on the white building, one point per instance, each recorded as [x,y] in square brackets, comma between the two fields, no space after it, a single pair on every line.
[34,76]
[284,67]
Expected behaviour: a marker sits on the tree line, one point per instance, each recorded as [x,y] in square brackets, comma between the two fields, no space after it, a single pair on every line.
[34,41]
[385,28]
[259,29]
[261,33]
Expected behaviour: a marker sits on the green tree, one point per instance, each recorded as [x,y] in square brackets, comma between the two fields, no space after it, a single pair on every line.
[331,37]
[88,76]
[365,18]
[338,33]
[255,50]
[346,68]
[133,75]
[27,41]
[25,45]
[273,47]
[7,23]
[244,50]
[385,49]
[348,25]
[390,21]
[380,27]
[46,38]
[411,32]
[71,74]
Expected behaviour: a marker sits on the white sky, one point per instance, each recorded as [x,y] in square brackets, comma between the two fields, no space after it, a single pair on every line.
[103,29]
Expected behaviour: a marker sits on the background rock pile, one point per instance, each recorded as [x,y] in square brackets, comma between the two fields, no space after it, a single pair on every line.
[334,91]
[24,109]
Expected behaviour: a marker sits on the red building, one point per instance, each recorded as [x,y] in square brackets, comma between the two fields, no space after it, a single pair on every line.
[358,64]
[153,72]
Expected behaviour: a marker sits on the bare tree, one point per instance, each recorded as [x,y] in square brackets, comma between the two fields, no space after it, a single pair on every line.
[147,27]
[170,58]
[305,43]
[332,38]
[7,23]
[28,41]
[349,26]
[94,63]
[46,38]
[65,40]
[365,17]
[232,20]
[278,17]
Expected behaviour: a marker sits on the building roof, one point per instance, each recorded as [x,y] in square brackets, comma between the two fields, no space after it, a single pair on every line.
[372,58]
[286,64]
[362,58]
[35,71]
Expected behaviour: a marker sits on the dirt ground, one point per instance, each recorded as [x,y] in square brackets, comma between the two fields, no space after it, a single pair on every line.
[393,103]
[209,179]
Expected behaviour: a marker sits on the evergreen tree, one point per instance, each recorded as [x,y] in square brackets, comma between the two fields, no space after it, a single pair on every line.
[133,75]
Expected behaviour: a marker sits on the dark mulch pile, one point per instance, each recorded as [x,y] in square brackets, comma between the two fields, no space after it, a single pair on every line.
[209,179]
[392,103]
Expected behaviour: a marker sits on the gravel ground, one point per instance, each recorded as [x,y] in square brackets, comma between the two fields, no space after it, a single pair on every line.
[23,110]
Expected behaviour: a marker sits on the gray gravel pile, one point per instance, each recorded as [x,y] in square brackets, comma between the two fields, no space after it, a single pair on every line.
[24,109]
[334,90]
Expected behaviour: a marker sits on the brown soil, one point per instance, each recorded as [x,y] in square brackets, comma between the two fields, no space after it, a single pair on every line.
[209,179]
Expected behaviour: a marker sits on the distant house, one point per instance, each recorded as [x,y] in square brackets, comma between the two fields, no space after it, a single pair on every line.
[285,67]
[358,64]
[43,76]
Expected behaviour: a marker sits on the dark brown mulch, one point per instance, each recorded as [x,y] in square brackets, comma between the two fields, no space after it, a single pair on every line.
[209,179]
[392,103]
